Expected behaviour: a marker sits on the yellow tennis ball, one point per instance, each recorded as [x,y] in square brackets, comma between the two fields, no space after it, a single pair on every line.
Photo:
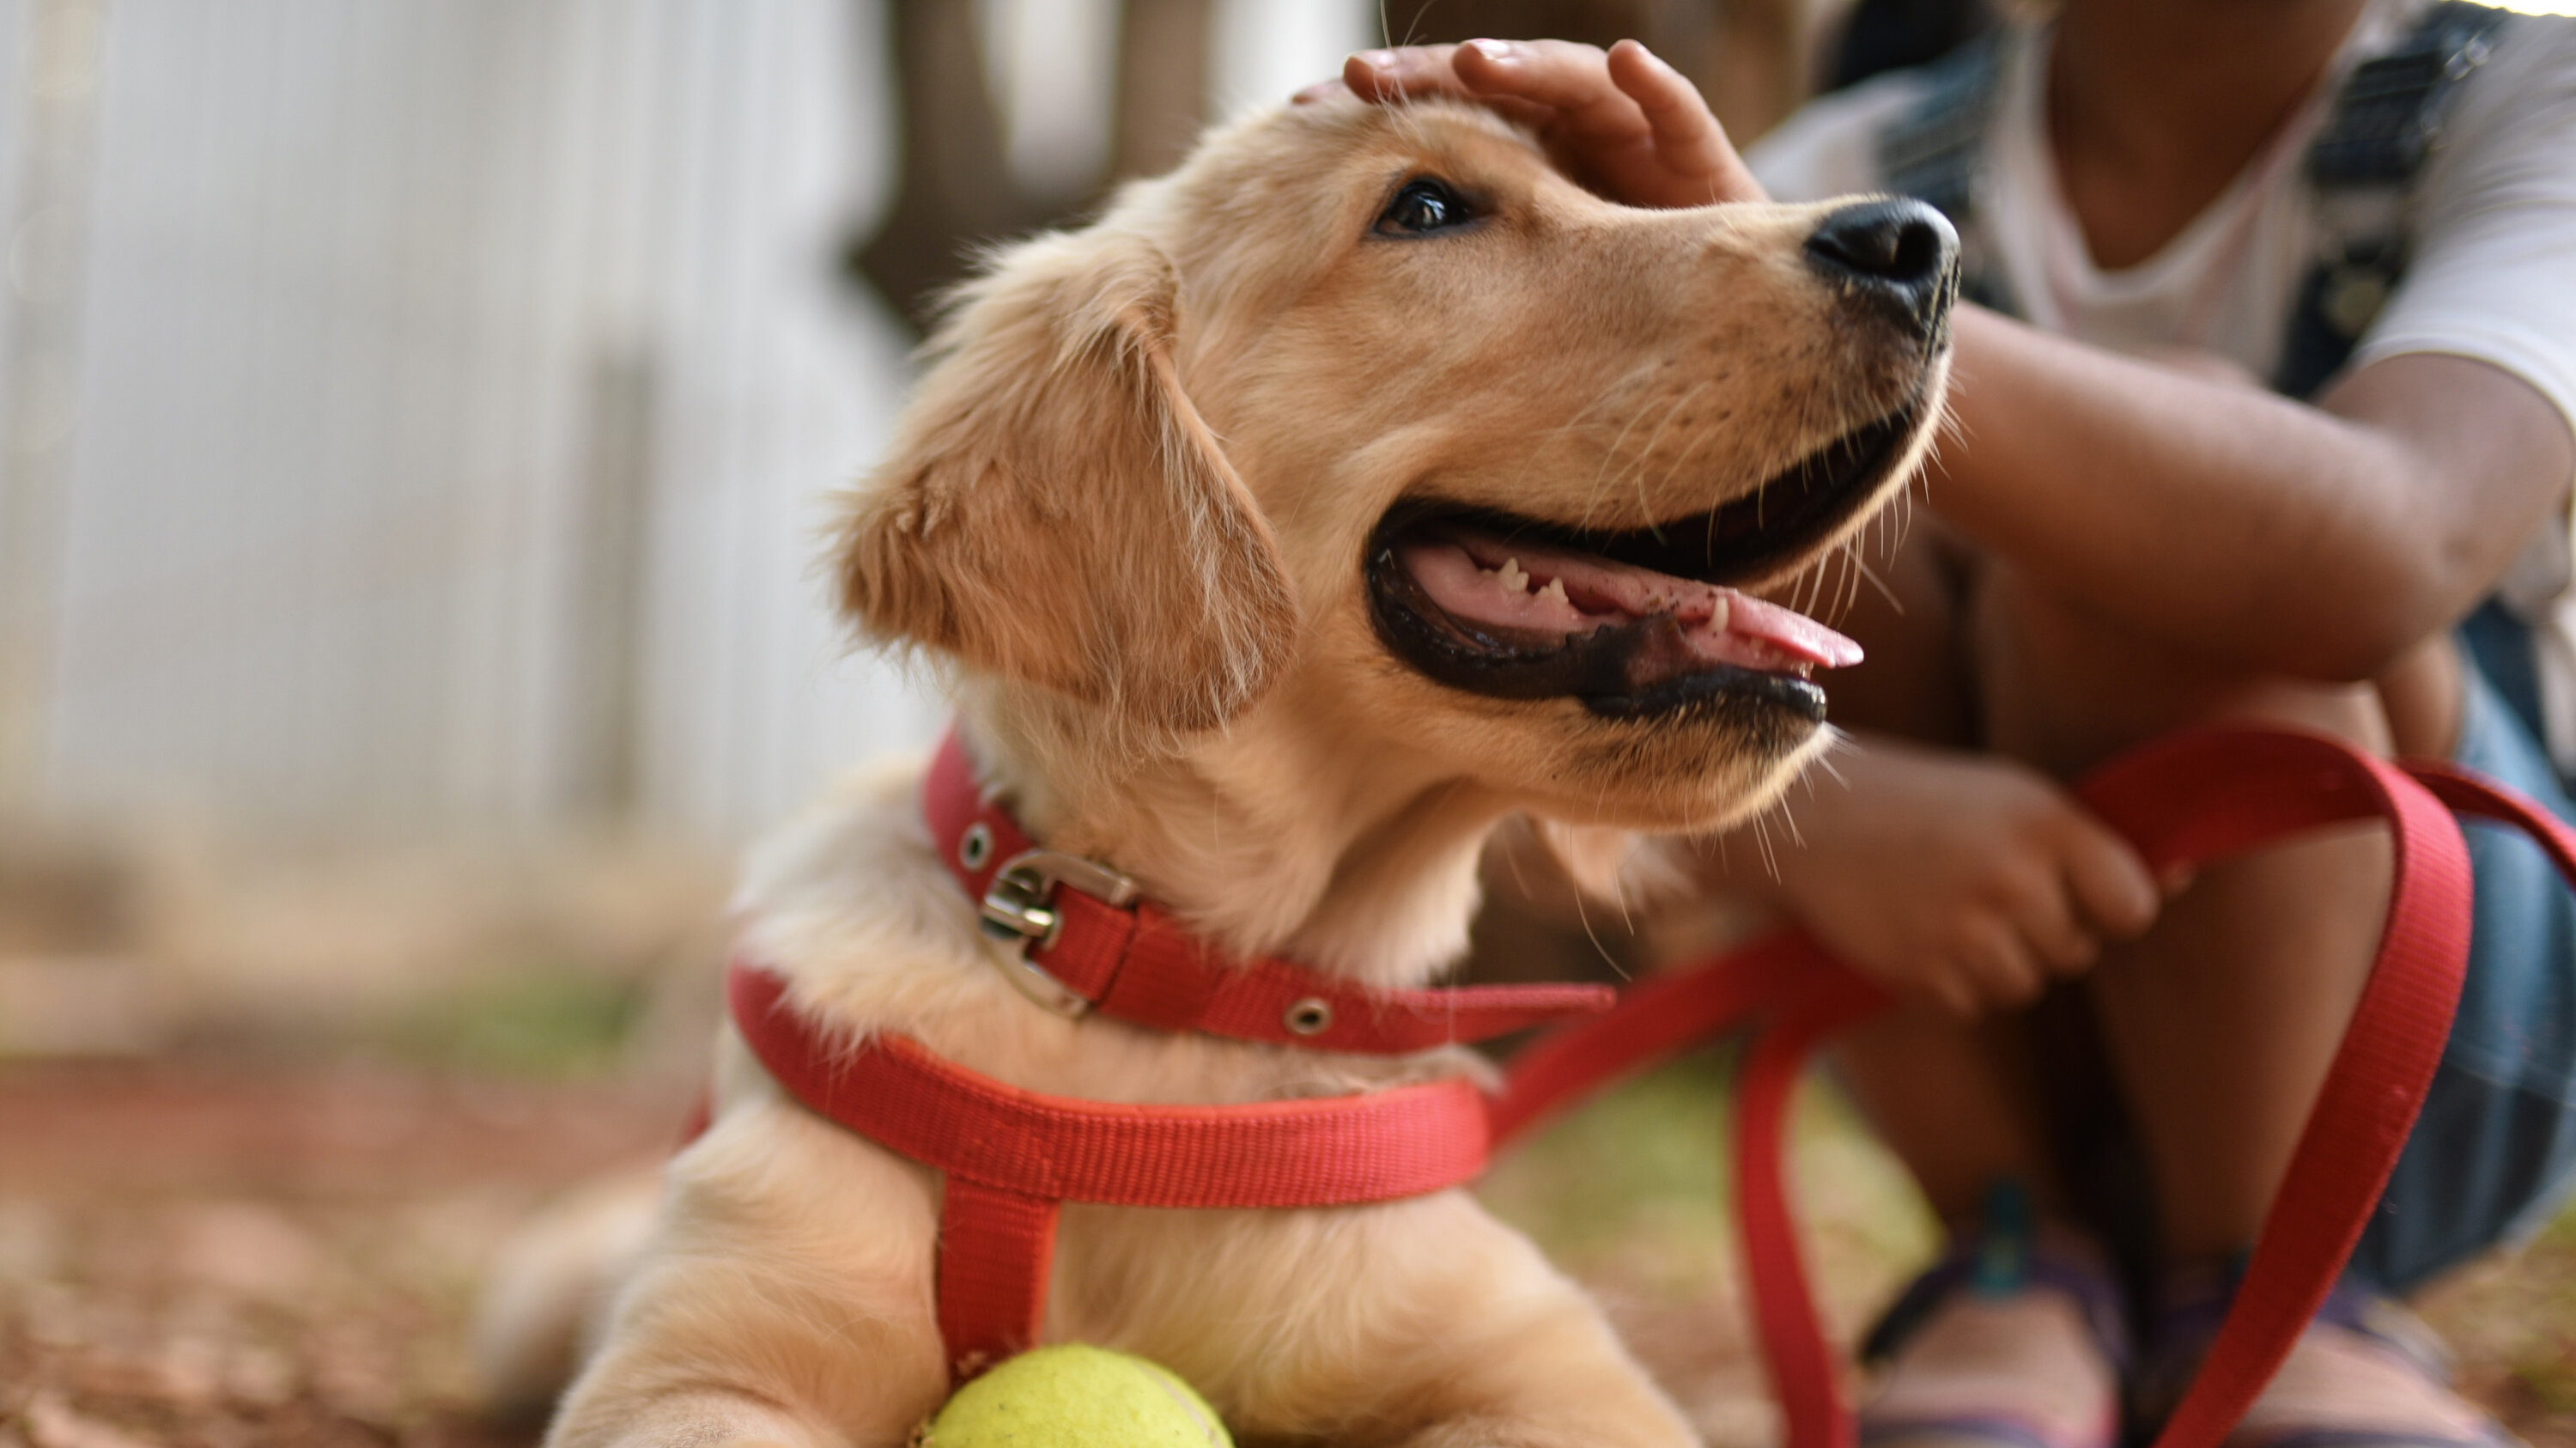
[1073,1396]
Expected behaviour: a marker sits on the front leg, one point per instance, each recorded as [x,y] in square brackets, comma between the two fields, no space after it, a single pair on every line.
[1529,1361]
[784,1302]
[1415,1324]
[683,1419]
[1567,1383]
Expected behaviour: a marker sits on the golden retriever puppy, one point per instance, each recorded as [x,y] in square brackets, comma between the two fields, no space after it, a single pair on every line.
[1327,502]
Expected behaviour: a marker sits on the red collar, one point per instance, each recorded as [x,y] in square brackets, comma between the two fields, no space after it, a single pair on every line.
[1090,943]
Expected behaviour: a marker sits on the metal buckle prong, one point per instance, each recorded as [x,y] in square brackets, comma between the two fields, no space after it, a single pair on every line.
[1019,908]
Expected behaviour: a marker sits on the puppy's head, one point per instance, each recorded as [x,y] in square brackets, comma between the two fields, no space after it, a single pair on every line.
[1370,407]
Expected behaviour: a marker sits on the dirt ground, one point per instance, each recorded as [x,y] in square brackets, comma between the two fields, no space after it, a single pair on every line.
[217,1255]
[224,1257]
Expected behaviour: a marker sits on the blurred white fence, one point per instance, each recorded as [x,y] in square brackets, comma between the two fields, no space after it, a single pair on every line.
[418,414]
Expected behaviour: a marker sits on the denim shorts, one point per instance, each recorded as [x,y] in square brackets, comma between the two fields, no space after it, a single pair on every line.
[2494,1155]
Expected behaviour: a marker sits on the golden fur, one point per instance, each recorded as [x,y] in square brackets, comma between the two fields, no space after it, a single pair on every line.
[1125,513]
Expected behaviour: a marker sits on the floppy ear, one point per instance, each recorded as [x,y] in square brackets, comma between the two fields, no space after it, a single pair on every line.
[1056,511]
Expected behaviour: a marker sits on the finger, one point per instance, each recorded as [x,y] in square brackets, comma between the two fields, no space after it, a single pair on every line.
[1322,90]
[1417,72]
[2111,885]
[1687,138]
[2005,970]
[1571,80]
[1951,985]
[2050,922]
[1954,994]
[1393,77]
[1407,73]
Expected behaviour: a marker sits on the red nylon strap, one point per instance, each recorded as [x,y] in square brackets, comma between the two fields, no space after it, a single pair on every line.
[1137,964]
[2478,797]
[1657,1019]
[996,1256]
[2191,799]
[1010,1155]
[1805,1376]
[2270,785]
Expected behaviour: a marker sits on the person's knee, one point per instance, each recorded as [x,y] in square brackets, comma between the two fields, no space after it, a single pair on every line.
[1908,610]
[2065,689]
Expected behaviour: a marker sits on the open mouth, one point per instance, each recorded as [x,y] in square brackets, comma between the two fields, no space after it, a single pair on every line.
[1630,622]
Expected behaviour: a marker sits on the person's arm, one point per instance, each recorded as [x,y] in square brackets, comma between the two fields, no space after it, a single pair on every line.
[2318,541]
[2321,541]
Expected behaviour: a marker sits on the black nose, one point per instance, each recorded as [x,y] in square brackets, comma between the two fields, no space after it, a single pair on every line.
[1902,254]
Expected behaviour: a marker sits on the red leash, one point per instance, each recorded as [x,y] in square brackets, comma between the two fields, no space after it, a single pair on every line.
[2191,799]
[1012,1157]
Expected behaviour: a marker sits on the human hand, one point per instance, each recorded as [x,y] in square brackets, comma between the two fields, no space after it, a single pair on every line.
[1962,879]
[1620,121]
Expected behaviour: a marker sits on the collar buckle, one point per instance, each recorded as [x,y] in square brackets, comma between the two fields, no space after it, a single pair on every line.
[1019,908]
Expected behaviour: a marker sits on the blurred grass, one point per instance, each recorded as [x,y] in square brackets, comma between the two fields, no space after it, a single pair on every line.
[542,1023]
[1634,1189]
[1631,1195]
[2512,1321]
[1653,1148]
[2548,1365]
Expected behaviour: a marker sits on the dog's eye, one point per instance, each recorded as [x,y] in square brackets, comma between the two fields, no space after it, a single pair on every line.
[1423,205]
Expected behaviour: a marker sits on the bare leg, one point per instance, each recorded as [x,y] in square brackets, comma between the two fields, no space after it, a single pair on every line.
[2222,1022]
[1955,1100]
[1911,611]
[2219,1025]
[1952,1099]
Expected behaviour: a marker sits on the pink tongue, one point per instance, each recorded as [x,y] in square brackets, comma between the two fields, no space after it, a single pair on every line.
[1474,577]
[1791,632]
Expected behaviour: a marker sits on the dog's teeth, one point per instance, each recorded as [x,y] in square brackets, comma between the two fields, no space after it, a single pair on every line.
[1717,617]
[1513,579]
[1555,589]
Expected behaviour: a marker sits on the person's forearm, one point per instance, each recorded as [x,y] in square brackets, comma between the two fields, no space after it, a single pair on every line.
[2319,541]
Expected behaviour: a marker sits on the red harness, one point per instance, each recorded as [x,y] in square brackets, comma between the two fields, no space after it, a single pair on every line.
[1011,1157]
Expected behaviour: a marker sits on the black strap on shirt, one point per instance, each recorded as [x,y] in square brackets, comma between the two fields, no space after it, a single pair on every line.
[1936,152]
[2361,171]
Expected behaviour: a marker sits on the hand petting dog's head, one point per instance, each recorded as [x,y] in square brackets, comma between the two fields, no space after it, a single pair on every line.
[1368,407]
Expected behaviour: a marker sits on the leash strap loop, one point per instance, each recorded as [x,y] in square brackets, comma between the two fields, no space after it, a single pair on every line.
[2373,1091]
[2191,799]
